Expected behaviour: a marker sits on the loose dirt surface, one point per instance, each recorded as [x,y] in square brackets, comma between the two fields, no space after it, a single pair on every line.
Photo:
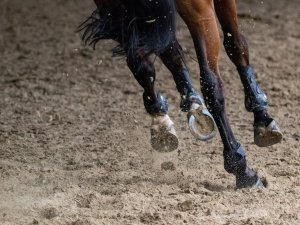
[75,137]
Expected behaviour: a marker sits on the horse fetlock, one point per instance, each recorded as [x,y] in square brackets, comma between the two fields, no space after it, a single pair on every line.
[255,101]
[248,179]
[163,134]
[235,161]
[188,100]
[158,108]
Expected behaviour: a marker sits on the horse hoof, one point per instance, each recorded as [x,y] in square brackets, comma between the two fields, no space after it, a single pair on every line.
[259,184]
[256,183]
[201,123]
[163,134]
[267,136]
[249,180]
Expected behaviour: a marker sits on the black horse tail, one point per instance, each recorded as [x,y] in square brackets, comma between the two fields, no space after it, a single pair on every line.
[145,26]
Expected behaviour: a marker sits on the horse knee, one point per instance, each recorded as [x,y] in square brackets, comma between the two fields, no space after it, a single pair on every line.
[144,72]
[141,67]
[212,89]
[156,108]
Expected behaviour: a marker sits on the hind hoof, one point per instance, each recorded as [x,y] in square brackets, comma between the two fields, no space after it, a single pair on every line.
[267,136]
[201,123]
[164,141]
[248,180]
[163,134]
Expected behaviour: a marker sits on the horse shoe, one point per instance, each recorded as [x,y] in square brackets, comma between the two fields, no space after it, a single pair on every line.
[163,134]
[200,117]
[267,136]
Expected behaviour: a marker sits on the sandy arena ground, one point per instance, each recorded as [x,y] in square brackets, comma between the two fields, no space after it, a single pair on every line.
[74,136]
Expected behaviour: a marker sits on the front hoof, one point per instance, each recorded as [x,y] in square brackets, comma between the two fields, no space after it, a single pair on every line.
[267,136]
[163,134]
[201,123]
[249,179]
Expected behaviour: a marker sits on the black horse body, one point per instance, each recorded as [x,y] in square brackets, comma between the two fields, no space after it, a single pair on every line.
[137,25]
[142,28]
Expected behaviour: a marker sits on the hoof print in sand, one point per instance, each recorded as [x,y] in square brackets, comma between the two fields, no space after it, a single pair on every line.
[168,166]
[186,206]
[50,213]
[149,218]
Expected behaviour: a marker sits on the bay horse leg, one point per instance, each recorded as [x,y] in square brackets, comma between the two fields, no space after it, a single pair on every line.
[199,17]
[163,134]
[266,131]
[201,122]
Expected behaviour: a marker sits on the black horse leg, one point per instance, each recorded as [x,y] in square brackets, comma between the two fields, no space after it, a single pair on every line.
[266,131]
[163,134]
[255,99]
[234,155]
[144,72]
[237,50]
[172,57]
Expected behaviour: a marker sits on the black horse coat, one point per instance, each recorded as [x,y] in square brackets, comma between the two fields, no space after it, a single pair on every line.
[145,26]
